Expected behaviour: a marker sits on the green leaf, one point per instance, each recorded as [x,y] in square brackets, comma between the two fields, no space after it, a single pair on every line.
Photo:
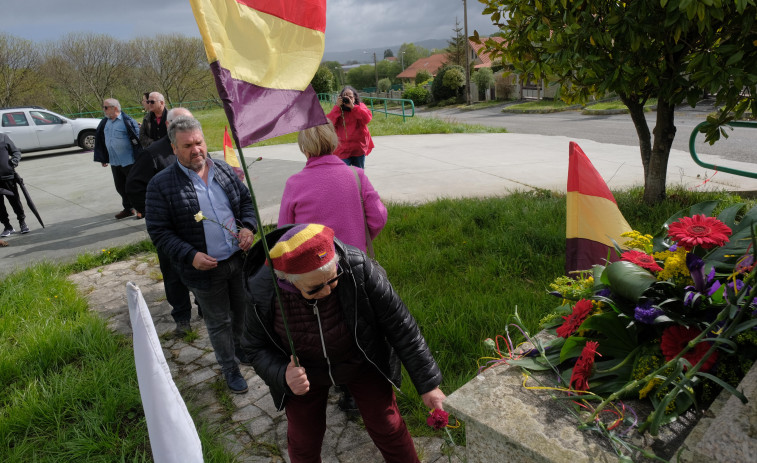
[724,385]
[533,364]
[628,280]
[736,57]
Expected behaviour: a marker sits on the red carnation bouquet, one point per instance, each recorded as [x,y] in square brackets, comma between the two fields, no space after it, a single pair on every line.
[673,321]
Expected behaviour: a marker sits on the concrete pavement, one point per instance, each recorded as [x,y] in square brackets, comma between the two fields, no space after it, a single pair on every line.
[77,200]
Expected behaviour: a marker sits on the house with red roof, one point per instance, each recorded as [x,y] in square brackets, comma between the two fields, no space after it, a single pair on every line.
[431,64]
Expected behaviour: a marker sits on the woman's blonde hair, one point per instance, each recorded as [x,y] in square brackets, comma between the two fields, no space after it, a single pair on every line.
[318,141]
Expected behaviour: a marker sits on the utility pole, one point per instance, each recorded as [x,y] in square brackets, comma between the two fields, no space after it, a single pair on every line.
[375,70]
[402,59]
[467,54]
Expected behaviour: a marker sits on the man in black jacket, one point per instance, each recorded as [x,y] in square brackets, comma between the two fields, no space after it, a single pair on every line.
[154,124]
[201,216]
[9,158]
[347,326]
[154,159]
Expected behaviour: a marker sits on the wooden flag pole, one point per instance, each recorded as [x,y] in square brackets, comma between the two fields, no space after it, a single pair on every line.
[265,243]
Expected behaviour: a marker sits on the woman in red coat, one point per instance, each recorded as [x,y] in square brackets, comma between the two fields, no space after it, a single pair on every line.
[350,118]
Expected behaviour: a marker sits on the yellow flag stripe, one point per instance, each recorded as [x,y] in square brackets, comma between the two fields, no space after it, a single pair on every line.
[259,48]
[594,218]
[296,240]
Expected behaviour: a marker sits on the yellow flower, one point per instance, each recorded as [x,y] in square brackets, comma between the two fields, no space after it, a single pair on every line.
[648,388]
[199,217]
[639,241]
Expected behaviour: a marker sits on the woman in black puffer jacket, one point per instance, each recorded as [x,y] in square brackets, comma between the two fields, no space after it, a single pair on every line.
[348,326]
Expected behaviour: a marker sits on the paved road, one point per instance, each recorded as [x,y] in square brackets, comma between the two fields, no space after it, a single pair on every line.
[78,201]
[617,129]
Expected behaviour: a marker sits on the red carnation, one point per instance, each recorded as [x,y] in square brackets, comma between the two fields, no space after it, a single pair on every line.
[437,419]
[699,230]
[580,311]
[642,259]
[579,379]
[676,337]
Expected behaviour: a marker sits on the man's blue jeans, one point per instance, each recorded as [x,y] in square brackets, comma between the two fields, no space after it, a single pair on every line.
[223,307]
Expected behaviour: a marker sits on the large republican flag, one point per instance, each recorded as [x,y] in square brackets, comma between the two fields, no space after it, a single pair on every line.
[593,219]
[263,55]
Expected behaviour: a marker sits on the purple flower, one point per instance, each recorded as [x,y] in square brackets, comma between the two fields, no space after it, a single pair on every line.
[604,292]
[646,312]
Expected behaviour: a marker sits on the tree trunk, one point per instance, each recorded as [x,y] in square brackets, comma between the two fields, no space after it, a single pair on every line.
[664,133]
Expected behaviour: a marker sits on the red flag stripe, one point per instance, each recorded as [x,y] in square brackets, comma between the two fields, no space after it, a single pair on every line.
[583,177]
[305,13]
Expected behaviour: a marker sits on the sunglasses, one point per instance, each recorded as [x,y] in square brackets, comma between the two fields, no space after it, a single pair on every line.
[320,287]
[151,101]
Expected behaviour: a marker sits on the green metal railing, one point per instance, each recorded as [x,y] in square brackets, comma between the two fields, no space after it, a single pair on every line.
[399,104]
[389,106]
[728,170]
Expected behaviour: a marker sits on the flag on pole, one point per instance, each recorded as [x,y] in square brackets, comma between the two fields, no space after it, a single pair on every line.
[263,55]
[230,155]
[593,219]
[173,437]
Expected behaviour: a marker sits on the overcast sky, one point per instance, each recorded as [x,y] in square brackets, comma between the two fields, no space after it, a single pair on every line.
[350,24]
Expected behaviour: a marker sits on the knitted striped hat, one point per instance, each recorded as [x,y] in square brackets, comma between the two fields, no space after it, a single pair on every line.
[303,248]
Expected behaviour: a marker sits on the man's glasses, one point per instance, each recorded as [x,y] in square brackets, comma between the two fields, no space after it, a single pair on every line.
[320,287]
[106,107]
[151,101]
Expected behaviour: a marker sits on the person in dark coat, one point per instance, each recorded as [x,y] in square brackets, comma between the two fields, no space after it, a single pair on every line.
[154,159]
[9,159]
[347,325]
[200,215]
[154,124]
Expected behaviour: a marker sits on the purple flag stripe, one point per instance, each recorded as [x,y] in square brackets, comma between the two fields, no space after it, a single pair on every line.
[258,113]
[582,254]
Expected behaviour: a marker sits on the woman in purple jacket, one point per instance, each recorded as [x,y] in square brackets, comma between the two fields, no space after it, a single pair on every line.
[326,192]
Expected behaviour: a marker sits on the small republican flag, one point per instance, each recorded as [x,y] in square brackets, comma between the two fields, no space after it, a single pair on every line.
[230,155]
[593,219]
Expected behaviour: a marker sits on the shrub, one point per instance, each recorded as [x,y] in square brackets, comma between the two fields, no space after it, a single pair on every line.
[384,84]
[419,95]
[323,81]
[440,90]
[422,76]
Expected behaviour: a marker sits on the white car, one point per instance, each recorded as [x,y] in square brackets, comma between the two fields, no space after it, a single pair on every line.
[32,128]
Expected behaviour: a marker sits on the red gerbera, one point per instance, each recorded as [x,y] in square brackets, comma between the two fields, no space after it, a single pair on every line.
[642,259]
[437,419]
[579,379]
[675,338]
[580,311]
[699,230]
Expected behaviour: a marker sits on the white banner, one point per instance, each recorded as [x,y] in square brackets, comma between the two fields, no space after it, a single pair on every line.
[173,436]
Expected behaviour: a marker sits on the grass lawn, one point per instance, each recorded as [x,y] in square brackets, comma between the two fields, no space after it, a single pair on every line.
[214,120]
[68,387]
[617,104]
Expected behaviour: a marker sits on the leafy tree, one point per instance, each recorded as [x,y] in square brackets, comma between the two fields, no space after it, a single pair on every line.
[484,78]
[422,76]
[88,68]
[336,70]
[412,53]
[457,46]
[176,65]
[19,70]
[674,50]
[361,76]
[442,90]
[388,53]
[388,70]
[384,84]
[453,79]
[323,80]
